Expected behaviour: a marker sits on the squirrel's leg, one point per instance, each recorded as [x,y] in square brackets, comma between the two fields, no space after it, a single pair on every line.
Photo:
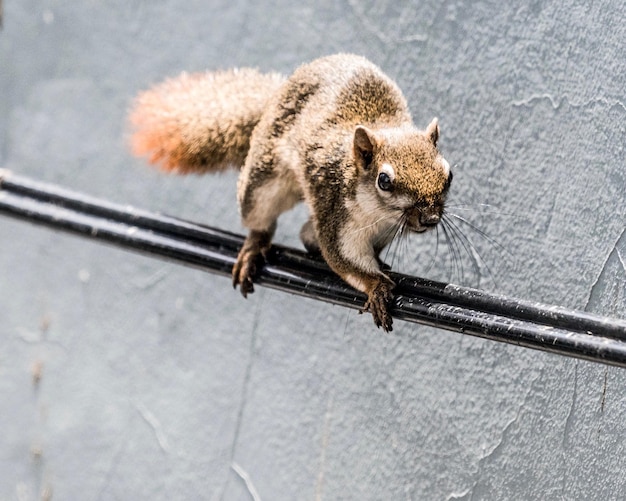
[309,238]
[263,195]
[363,273]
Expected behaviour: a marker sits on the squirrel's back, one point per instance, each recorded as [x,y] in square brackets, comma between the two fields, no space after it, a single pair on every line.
[351,90]
[201,122]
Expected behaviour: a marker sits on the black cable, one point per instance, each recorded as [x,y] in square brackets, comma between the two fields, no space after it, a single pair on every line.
[462,309]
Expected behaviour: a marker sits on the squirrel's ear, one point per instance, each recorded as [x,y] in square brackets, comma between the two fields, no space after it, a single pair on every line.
[432,131]
[364,145]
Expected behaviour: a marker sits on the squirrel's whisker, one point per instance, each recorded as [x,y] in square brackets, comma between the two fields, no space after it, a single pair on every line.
[371,225]
[481,233]
[471,250]
[453,245]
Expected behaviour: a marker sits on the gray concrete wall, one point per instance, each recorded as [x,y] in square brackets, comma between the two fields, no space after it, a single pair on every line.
[155,379]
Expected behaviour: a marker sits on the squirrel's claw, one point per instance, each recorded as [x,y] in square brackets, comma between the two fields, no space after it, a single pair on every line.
[245,286]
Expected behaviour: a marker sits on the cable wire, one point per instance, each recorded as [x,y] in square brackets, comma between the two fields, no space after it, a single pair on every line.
[462,309]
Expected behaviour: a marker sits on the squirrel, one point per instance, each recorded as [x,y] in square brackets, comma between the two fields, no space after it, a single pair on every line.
[336,134]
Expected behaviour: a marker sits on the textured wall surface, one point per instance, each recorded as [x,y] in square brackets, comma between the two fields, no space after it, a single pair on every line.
[123,377]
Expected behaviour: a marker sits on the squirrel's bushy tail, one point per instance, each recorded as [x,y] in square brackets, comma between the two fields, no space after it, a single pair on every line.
[200,122]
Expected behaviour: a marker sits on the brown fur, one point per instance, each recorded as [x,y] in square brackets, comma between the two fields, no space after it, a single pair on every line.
[324,136]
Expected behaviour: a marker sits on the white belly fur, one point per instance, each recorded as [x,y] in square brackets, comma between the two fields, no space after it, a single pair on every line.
[368,225]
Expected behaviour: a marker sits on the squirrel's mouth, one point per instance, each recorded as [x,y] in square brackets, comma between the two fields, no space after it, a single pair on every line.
[420,220]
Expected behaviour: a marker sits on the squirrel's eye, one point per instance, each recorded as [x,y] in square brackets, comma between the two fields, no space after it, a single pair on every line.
[384,181]
[448,181]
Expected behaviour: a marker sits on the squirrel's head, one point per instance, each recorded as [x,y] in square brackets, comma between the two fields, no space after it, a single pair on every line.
[404,172]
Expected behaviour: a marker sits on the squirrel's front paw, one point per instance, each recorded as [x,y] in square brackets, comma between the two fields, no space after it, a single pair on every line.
[377,304]
[244,270]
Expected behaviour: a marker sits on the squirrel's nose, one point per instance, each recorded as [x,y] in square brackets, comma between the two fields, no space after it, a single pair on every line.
[429,219]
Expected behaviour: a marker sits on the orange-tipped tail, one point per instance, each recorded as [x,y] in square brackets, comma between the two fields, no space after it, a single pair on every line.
[202,122]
